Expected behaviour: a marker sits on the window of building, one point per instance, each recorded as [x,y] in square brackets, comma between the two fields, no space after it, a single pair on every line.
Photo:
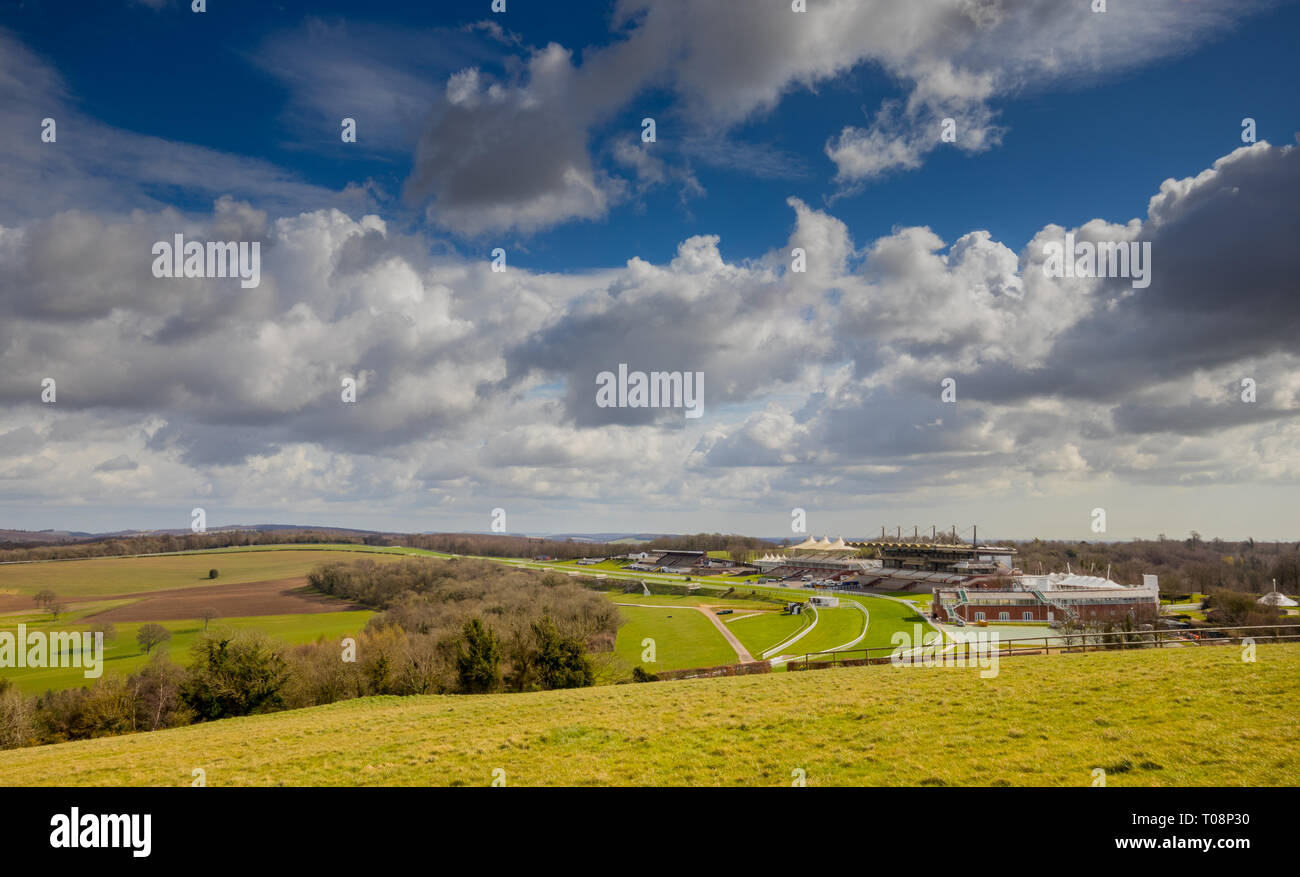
[979,616]
[1004,616]
[1029,616]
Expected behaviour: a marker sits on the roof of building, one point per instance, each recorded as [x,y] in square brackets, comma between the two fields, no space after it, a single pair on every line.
[1065,581]
[1072,588]
[936,546]
[1277,598]
[823,544]
[677,558]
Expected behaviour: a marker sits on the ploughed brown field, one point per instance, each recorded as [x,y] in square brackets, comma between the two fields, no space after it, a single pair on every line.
[290,596]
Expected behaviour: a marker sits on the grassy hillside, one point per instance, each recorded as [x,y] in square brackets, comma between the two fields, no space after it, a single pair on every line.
[1192,716]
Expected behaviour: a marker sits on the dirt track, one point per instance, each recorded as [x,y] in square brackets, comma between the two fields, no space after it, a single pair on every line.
[275,597]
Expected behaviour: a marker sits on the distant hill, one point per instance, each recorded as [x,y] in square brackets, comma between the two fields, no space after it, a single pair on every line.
[56,536]
[34,536]
[612,538]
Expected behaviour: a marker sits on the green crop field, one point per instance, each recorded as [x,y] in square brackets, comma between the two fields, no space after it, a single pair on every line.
[74,613]
[122,655]
[683,637]
[1172,717]
[103,576]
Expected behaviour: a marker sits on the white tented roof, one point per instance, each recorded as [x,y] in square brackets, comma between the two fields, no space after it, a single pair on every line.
[1277,598]
[1069,581]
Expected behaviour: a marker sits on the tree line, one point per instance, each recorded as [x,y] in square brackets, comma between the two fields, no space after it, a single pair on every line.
[476,544]
[164,543]
[444,627]
[1193,565]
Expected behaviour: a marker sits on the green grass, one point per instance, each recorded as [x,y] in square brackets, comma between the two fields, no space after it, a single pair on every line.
[1173,717]
[101,576]
[761,632]
[593,568]
[672,600]
[888,617]
[835,627]
[684,640]
[73,613]
[122,655]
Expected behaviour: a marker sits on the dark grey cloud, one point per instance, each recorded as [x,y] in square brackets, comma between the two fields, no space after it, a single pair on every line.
[1223,291]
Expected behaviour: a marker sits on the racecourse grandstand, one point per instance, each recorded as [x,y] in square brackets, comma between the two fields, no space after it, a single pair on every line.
[686,563]
[924,567]
[817,559]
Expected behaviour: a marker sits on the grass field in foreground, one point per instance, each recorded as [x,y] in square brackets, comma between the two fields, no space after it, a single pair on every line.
[102,576]
[1191,716]
[123,656]
[683,637]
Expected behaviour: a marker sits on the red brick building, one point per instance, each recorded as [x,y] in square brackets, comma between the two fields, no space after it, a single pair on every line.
[1050,598]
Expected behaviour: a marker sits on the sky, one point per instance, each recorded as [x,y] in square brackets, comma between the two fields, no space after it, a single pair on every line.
[839,235]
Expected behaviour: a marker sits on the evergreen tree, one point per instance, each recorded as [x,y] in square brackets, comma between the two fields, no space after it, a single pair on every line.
[478,659]
[561,661]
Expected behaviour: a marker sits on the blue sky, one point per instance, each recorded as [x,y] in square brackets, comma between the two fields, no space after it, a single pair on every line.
[1057,163]
[775,129]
